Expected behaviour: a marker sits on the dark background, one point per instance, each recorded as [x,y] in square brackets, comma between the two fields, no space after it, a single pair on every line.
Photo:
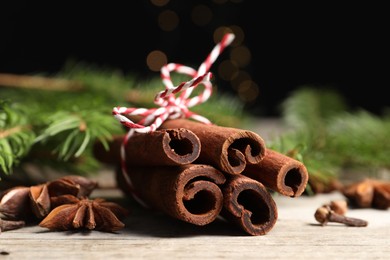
[323,45]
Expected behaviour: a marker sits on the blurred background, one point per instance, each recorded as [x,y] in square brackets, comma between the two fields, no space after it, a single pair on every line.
[278,48]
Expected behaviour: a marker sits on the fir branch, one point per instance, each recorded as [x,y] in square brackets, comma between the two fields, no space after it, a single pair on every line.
[16,136]
[361,139]
[64,124]
[71,132]
[8,132]
[310,107]
[38,82]
[328,138]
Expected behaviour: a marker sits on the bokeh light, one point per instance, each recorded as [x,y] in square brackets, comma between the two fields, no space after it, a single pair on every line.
[239,35]
[248,91]
[168,20]
[227,70]
[220,32]
[240,77]
[201,15]
[156,59]
[159,2]
[241,55]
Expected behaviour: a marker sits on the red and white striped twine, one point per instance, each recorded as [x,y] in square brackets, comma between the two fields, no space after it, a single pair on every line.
[170,107]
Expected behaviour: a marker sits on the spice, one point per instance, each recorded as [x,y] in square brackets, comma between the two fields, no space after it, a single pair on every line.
[6,225]
[15,203]
[225,148]
[338,206]
[40,200]
[76,185]
[319,185]
[169,146]
[71,184]
[77,213]
[280,173]
[325,214]
[20,204]
[190,193]
[368,193]
[249,204]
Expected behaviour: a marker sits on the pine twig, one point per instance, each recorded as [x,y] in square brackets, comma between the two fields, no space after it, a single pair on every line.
[38,82]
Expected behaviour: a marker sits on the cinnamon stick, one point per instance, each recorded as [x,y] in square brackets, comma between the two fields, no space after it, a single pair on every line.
[280,173]
[249,204]
[162,147]
[187,192]
[227,149]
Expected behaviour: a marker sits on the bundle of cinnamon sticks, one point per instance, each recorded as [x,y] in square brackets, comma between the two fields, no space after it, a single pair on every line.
[196,172]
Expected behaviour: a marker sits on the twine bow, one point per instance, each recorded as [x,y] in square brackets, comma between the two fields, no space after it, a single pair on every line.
[170,106]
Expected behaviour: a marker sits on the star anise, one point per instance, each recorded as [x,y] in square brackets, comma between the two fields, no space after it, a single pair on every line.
[84,213]
[368,193]
[25,203]
[40,200]
[72,184]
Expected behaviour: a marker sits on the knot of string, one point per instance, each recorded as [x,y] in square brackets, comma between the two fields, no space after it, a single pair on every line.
[170,106]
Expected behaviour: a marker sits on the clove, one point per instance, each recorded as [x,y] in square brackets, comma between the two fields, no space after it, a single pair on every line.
[338,206]
[325,214]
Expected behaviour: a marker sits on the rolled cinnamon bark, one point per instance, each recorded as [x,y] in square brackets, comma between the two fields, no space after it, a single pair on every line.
[227,149]
[187,192]
[162,147]
[280,173]
[249,204]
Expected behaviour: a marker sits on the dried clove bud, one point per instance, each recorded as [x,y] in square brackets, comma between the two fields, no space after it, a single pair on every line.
[324,215]
[6,225]
[338,206]
[15,203]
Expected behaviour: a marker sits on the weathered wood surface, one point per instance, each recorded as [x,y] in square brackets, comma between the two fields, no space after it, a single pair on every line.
[151,235]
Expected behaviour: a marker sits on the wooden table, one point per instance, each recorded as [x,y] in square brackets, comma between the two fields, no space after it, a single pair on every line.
[151,235]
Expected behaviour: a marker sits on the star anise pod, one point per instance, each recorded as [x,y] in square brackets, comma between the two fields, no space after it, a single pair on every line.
[6,225]
[25,203]
[40,200]
[72,184]
[368,193]
[84,213]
